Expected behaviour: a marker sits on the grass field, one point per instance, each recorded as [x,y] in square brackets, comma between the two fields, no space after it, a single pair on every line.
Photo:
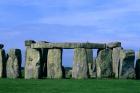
[69,86]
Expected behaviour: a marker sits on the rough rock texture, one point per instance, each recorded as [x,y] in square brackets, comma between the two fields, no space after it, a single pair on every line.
[113,44]
[13,66]
[29,42]
[1,46]
[32,66]
[90,61]
[127,70]
[69,45]
[137,69]
[90,69]
[104,63]
[94,67]
[89,55]
[54,64]
[116,61]
[80,65]
[2,63]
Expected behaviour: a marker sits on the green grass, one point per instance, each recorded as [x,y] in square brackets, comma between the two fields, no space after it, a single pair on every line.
[69,86]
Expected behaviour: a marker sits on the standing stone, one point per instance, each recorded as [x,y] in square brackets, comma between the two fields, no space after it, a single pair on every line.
[33,61]
[32,66]
[104,63]
[137,69]
[80,65]
[115,61]
[43,54]
[14,63]
[90,61]
[54,64]
[127,70]
[2,63]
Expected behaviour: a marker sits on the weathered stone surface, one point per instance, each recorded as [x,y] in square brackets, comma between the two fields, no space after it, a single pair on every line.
[69,45]
[90,69]
[89,55]
[116,61]
[137,69]
[54,64]
[29,42]
[104,63]
[80,65]
[113,44]
[42,42]
[2,63]
[127,70]
[1,46]
[90,61]
[13,66]
[33,64]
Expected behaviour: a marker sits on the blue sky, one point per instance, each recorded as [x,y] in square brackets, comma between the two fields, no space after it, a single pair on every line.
[70,20]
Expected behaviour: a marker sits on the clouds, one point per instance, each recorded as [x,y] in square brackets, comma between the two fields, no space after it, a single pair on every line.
[10,33]
[16,36]
[102,15]
[70,20]
[71,12]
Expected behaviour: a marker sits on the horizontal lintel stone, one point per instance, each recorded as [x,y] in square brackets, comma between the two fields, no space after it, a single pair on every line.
[69,45]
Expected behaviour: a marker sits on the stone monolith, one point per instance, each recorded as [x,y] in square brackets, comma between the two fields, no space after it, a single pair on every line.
[13,66]
[32,65]
[116,61]
[137,68]
[54,64]
[2,63]
[104,63]
[126,68]
[80,65]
